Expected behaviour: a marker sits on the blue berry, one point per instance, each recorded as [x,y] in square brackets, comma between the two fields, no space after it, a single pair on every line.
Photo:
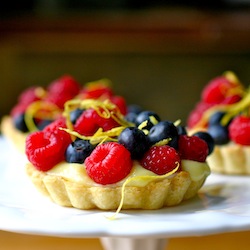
[145,116]
[134,108]
[131,117]
[41,125]
[19,123]
[75,114]
[164,130]
[181,130]
[219,133]
[132,111]
[208,139]
[135,141]
[216,118]
[78,151]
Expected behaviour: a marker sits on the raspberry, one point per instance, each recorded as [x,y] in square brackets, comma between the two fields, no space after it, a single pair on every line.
[54,128]
[62,90]
[18,109]
[161,159]
[197,113]
[30,95]
[108,163]
[85,124]
[219,89]
[96,90]
[231,99]
[89,122]
[192,148]
[120,102]
[239,130]
[44,151]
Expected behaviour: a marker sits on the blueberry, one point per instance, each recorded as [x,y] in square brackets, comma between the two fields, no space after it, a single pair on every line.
[216,118]
[219,134]
[208,139]
[145,116]
[134,108]
[181,130]
[41,125]
[135,141]
[75,114]
[130,117]
[164,130]
[20,124]
[78,151]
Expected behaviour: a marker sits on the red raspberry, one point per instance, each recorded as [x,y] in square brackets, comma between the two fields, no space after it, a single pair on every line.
[29,95]
[120,102]
[197,113]
[94,91]
[44,151]
[54,128]
[85,124]
[231,99]
[108,163]
[239,130]
[89,122]
[62,90]
[192,148]
[18,109]
[218,90]
[161,159]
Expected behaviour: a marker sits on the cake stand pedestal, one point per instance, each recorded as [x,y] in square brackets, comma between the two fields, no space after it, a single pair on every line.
[133,244]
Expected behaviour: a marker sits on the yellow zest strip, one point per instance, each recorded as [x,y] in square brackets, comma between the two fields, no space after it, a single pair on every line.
[230,109]
[33,112]
[40,92]
[100,136]
[153,120]
[104,109]
[119,118]
[235,109]
[96,84]
[146,177]
[143,125]
[177,122]
[231,76]
[163,142]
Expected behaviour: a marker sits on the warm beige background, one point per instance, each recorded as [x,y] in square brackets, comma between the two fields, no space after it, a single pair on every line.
[228,241]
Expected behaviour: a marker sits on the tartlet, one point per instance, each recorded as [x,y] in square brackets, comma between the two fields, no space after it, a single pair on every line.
[223,111]
[141,194]
[81,184]
[38,106]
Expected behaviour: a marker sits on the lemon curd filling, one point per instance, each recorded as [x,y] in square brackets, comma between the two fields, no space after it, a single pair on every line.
[197,170]
[77,173]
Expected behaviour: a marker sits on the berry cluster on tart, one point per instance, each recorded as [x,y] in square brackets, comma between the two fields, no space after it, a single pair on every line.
[101,153]
[223,111]
[38,106]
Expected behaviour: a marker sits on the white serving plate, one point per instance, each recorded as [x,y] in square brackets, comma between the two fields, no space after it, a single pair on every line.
[223,205]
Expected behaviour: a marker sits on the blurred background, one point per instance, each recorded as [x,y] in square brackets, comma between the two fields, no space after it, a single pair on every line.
[158,54]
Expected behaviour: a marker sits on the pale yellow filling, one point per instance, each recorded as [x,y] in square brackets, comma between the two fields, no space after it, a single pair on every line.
[197,170]
[77,173]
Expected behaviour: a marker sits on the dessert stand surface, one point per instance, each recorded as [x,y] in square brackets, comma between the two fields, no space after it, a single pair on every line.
[223,205]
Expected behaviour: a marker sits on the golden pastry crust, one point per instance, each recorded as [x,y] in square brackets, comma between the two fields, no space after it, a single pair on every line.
[156,194]
[230,159]
[16,137]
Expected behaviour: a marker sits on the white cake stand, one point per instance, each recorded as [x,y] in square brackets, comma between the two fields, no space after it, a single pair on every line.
[223,205]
